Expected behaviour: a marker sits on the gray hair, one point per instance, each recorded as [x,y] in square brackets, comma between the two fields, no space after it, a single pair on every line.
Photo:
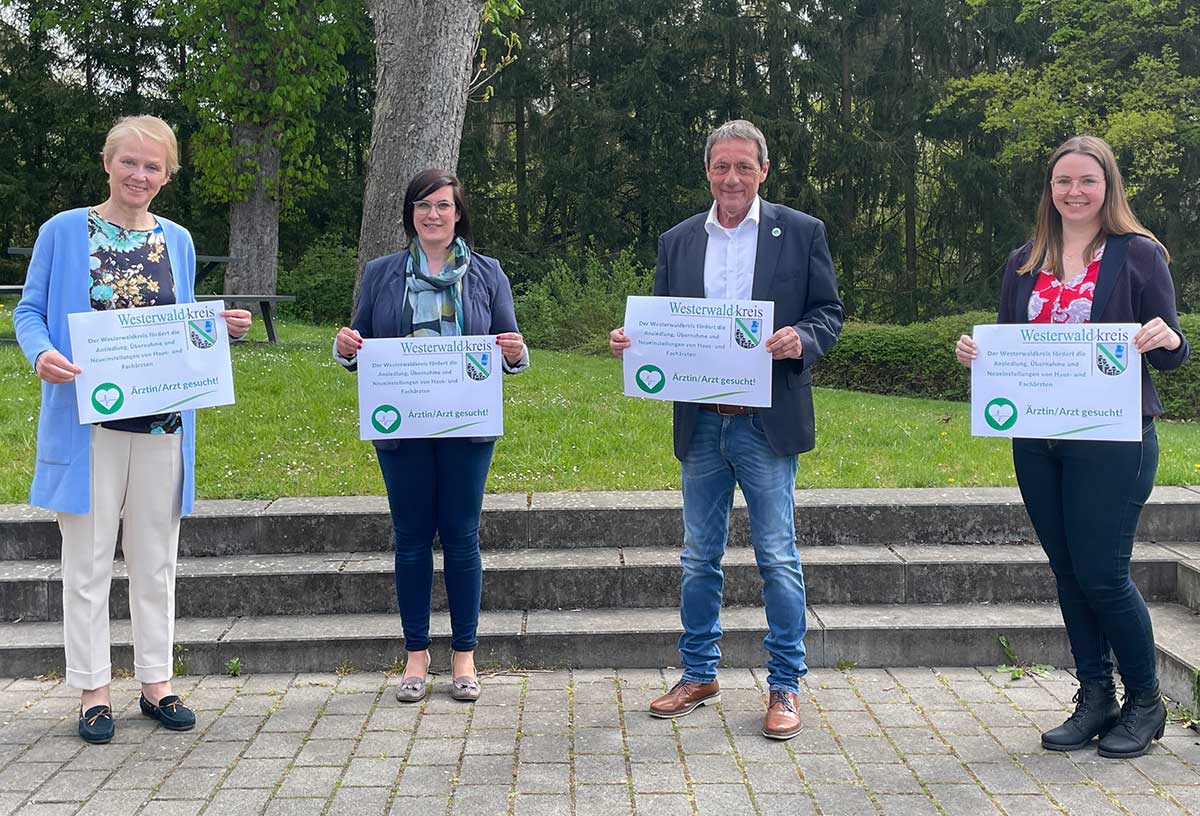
[737,129]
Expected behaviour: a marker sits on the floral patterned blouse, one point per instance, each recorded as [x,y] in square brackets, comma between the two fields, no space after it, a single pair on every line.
[1069,301]
[130,268]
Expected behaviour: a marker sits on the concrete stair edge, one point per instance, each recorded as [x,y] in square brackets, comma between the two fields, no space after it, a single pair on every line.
[850,516]
[346,583]
[839,635]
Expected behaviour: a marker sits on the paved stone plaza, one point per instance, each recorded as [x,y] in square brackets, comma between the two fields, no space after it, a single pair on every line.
[905,741]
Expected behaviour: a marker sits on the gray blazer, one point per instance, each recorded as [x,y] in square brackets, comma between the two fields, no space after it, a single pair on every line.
[793,269]
[487,308]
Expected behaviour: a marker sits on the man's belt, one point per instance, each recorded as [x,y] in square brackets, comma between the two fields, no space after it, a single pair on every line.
[728,410]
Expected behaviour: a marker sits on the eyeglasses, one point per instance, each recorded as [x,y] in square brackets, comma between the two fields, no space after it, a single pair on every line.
[443,207]
[1088,184]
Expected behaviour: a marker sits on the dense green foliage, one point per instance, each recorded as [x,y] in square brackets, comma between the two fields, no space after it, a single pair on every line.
[1179,390]
[572,310]
[916,129]
[917,360]
[901,360]
[261,67]
[69,69]
[323,283]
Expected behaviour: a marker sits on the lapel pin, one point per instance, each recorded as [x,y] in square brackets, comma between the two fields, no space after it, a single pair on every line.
[776,232]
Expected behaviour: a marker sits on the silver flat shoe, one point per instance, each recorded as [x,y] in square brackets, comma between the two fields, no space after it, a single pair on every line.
[412,690]
[465,688]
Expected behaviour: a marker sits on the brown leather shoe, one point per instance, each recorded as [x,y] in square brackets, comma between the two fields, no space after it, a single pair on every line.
[684,698]
[783,716]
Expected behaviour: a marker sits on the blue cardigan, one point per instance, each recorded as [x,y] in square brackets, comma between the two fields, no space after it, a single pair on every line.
[57,285]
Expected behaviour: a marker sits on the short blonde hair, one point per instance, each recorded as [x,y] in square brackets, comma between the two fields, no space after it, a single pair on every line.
[144,127]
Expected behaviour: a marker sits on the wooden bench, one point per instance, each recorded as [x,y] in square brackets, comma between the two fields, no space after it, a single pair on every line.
[205,264]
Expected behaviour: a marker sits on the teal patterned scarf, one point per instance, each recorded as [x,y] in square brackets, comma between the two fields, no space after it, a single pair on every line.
[433,303]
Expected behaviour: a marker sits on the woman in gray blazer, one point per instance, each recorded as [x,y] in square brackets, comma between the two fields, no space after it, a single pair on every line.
[438,286]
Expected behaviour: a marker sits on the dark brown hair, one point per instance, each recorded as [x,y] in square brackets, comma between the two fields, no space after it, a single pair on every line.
[430,181]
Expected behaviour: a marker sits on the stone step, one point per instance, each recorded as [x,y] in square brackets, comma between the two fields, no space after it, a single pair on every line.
[1177,638]
[1187,579]
[839,635]
[626,519]
[588,578]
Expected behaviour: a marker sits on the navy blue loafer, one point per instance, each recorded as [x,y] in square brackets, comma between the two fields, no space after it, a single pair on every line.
[96,725]
[170,711]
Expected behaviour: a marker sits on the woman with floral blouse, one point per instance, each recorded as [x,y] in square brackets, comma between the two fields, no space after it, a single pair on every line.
[135,472]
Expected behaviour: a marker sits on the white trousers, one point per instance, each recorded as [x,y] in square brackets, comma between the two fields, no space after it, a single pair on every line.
[138,477]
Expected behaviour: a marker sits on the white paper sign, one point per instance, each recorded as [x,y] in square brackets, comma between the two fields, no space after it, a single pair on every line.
[699,350]
[430,386]
[152,360]
[1072,381]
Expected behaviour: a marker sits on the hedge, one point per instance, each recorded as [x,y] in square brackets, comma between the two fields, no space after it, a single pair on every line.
[323,283]
[917,360]
[573,308]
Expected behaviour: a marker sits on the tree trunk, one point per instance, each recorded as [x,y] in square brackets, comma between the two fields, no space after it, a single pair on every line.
[424,54]
[522,159]
[254,221]
[133,93]
[847,271]
[908,151]
[731,59]
[184,129]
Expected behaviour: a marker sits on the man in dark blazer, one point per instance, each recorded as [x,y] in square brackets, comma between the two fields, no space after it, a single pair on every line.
[746,248]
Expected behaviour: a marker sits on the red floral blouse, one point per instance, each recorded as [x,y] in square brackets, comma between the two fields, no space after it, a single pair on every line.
[1055,301]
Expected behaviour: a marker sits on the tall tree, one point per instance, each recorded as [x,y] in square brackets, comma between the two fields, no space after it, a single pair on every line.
[259,72]
[424,51]
[425,57]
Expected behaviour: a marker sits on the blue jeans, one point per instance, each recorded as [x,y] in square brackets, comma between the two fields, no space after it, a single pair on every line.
[436,486]
[1084,499]
[724,450]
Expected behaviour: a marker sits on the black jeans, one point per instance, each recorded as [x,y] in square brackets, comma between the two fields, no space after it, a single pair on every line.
[1084,499]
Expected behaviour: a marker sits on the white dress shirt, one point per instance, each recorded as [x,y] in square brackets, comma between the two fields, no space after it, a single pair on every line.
[730,255]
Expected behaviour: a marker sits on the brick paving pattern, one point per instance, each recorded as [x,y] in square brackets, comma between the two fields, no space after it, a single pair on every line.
[890,742]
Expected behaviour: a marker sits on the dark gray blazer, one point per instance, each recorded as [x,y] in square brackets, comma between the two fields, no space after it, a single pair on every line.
[1133,286]
[794,270]
[487,306]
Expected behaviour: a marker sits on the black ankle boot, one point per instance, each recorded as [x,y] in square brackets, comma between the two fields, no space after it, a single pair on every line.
[1096,711]
[1143,718]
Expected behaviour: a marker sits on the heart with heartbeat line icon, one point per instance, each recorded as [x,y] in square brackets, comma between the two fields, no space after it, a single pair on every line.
[650,378]
[107,398]
[385,418]
[1001,414]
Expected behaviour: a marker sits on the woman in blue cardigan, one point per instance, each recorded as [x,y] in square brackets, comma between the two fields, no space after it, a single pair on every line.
[436,287]
[1092,261]
[137,471]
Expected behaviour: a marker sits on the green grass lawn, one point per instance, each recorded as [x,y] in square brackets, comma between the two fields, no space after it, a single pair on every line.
[293,431]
